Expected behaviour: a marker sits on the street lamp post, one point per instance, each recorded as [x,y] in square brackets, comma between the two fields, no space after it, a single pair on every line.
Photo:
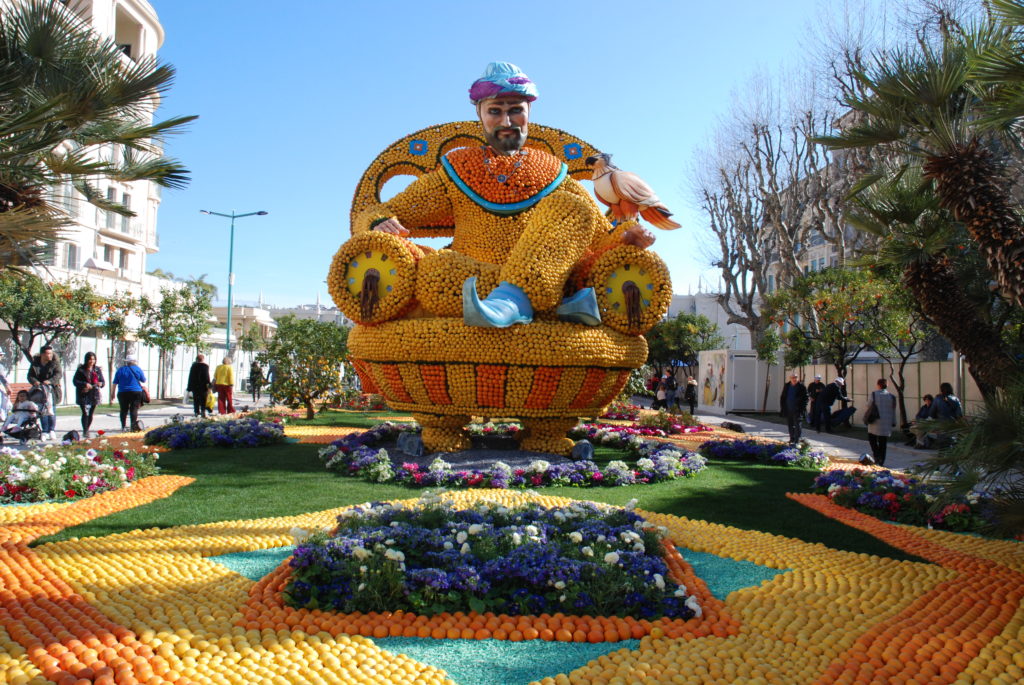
[231,261]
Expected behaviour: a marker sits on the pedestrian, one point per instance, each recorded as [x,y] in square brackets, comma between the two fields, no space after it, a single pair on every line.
[256,381]
[690,394]
[671,386]
[834,391]
[813,390]
[880,416]
[916,437]
[792,405]
[224,384]
[946,406]
[5,395]
[660,395]
[88,380]
[128,383]
[199,385]
[44,372]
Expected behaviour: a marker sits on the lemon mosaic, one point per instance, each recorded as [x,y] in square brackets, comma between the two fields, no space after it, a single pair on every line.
[174,615]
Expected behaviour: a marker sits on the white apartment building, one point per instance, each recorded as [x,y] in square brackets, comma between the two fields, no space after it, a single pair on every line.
[106,249]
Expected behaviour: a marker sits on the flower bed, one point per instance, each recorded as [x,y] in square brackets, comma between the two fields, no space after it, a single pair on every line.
[903,499]
[773,453]
[358,455]
[578,559]
[238,432]
[69,472]
[622,411]
[362,402]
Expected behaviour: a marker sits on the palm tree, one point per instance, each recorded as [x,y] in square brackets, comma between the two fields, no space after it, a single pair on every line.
[72,108]
[923,103]
[924,244]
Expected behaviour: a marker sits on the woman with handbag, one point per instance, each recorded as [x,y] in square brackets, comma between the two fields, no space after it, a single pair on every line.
[128,381]
[88,380]
[880,416]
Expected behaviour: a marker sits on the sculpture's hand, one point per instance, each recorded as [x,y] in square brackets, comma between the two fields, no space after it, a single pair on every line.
[638,236]
[392,226]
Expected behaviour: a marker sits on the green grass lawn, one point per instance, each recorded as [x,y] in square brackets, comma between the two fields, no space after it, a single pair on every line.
[288,479]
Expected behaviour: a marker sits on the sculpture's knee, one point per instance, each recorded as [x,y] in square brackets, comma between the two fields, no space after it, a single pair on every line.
[440,278]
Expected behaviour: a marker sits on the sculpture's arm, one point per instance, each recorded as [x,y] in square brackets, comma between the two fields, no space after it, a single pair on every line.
[422,210]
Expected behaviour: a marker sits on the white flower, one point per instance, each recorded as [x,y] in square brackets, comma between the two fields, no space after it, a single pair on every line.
[461,537]
[464,549]
[394,555]
[631,504]
[559,585]
[90,454]
[538,466]
[439,465]
[561,598]
[576,537]
[611,558]
[475,528]
[680,591]
[448,544]
[659,581]
[395,524]
[300,534]
[531,530]
[389,541]
[362,586]
[601,538]
[361,553]
[517,539]
[691,603]
[639,547]
[362,569]
[587,551]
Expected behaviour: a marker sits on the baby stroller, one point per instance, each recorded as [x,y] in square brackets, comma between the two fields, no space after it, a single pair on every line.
[28,429]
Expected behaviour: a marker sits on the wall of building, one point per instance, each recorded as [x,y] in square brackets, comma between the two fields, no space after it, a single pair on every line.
[736,336]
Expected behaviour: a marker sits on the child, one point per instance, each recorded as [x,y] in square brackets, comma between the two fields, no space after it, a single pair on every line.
[23,411]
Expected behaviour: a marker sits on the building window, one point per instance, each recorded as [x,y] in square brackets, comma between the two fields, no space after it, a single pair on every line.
[68,200]
[771,283]
[126,221]
[111,219]
[71,256]
[123,260]
[108,254]
[46,252]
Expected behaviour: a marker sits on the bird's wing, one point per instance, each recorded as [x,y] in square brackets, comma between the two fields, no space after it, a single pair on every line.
[633,189]
[629,186]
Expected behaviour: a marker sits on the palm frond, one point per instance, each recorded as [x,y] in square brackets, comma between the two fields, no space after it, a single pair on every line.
[1010,12]
[163,171]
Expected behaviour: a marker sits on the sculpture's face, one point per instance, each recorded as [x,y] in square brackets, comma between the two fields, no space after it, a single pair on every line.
[505,120]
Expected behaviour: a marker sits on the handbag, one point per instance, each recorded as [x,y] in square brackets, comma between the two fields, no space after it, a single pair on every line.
[145,394]
[872,415]
[211,403]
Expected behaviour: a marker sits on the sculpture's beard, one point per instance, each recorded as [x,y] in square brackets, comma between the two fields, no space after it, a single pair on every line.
[506,144]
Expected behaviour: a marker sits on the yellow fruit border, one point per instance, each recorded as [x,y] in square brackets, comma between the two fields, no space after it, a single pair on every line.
[150,606]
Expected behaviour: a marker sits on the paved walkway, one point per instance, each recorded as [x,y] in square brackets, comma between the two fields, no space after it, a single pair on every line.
[836,445]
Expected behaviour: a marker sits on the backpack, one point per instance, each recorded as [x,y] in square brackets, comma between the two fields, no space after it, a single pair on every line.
[38,395]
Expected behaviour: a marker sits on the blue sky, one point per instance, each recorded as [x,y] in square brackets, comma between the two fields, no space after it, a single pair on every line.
[296,99]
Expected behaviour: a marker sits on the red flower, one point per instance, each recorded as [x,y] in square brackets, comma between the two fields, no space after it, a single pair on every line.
[100,432]
[70,493]
[536,479]
[130,473]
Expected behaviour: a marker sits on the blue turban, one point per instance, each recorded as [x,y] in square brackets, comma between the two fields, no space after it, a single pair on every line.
[499,78]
